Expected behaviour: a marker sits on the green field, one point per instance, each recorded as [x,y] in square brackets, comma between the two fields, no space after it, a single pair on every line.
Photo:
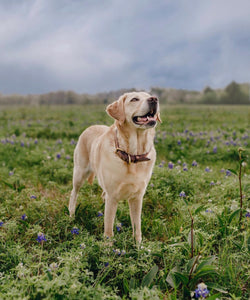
[196,145]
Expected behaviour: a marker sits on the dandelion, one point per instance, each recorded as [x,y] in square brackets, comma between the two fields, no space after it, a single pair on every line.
[182,194]
[99,214]
[202,291]
[24,217]
[170,165]
[75,231]
[41,237]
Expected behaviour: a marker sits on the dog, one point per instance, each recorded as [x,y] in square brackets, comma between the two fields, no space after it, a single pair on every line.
[121,156]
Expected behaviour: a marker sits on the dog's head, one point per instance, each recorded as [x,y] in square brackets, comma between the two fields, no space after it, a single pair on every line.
[138,109]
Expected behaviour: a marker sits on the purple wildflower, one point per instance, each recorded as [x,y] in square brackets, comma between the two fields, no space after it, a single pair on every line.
[33,197]
[119,227]
[207,169]
[24,217]
[179,142]
[1,223]
[201,291]
[212,183]
[170,165]
[58,155]
[215,149]
[228,173]
[182,194]
[99,214]
[247,215]
[41,237]
[208,210]
[106,264]
[11,173]
[194,163]
[75,231]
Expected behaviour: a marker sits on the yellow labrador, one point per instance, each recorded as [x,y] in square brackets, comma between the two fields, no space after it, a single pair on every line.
[121,156]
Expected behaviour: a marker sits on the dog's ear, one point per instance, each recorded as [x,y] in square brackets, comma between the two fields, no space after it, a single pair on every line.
[116,109]
[158,118]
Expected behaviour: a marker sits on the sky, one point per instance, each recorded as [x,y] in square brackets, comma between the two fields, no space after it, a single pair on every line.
[91,46]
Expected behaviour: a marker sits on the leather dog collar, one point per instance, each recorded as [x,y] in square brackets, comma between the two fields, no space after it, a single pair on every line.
[129,158]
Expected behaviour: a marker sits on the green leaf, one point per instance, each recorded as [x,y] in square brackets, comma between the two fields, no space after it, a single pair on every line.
[234,214]
[148,278]
[214,286]
[171,279]
[214,297]
[205,271]
[190,264]
[206,262]
[200,208]
[182,277]
[66,210]
[233,171]
[132,284]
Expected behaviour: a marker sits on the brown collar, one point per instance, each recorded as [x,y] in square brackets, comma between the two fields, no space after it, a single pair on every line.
[129,158]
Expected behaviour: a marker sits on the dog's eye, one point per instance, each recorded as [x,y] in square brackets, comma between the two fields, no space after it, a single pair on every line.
[134,99]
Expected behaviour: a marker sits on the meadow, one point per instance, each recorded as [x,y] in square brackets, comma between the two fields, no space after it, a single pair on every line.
[195,231]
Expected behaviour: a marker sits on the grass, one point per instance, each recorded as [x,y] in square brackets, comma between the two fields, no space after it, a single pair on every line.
[36,151]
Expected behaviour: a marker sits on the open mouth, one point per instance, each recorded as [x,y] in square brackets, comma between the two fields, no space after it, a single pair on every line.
[149,119]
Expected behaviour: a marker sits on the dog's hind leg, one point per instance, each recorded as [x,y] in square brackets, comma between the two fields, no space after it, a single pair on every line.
[80,174]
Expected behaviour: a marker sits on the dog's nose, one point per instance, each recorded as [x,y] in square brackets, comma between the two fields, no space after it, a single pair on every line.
[152,100]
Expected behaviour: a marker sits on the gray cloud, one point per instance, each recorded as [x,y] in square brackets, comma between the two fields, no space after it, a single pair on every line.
[92,46]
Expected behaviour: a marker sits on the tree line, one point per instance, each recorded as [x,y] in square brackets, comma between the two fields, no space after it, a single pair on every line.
[233,93]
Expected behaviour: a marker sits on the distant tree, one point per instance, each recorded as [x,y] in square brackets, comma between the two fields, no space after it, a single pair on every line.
[234,95]
[209,96]
[207,90]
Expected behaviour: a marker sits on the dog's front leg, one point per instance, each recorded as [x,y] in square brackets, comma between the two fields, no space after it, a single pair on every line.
[135,207]
[109,216]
